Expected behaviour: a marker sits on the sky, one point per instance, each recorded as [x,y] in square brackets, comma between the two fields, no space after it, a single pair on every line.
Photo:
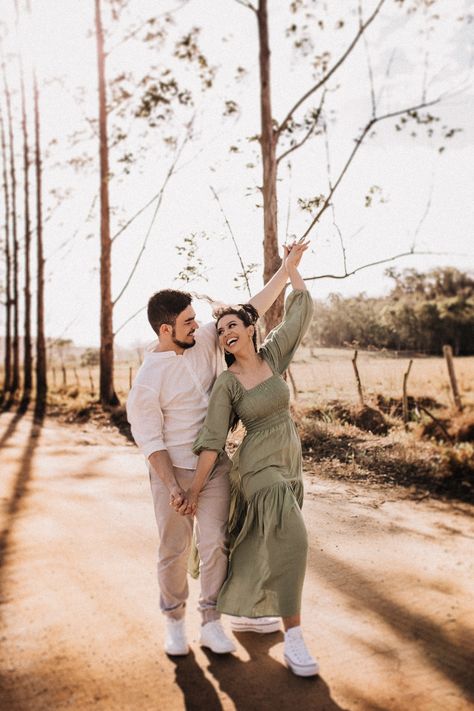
[420,194]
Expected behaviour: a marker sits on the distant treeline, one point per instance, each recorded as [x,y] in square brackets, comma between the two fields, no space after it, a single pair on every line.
[423,312]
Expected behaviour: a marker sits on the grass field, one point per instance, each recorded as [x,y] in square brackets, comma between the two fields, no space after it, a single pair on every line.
[326,374]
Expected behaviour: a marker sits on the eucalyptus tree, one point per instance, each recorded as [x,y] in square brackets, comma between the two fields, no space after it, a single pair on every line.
[161,99]
[314,31]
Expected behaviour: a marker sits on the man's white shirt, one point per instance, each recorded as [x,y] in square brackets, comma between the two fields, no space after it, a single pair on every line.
[168,401]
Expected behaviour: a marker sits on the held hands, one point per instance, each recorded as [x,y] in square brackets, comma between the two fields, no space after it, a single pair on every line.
[186,504]
[292,254]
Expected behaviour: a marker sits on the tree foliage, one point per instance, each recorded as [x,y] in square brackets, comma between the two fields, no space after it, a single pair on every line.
[423,312]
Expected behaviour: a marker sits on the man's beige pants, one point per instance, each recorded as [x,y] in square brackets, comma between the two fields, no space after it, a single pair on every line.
[176,532]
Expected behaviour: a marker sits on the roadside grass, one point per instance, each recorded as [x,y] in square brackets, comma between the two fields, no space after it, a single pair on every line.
[432,455]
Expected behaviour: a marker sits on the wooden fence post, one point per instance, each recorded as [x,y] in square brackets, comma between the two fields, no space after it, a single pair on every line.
[63,368]
[91,380]
[448,354]
[357,376]
[405,396]
[130,377]
[76,375]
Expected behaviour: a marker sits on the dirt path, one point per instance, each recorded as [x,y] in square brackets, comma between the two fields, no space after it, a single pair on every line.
[386,601]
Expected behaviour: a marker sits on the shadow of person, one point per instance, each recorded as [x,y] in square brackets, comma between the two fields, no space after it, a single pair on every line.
[264,683]
[198,691]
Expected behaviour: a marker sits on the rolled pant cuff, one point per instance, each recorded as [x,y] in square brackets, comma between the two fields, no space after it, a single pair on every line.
[176,614]
[210,615]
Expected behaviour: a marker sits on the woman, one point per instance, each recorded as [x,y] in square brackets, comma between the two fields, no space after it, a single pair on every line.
[269,541]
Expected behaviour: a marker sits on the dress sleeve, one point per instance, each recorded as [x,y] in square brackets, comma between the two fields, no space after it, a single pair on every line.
[213,433]
[281,343]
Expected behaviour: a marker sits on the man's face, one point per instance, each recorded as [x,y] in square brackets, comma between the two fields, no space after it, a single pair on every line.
[184,328]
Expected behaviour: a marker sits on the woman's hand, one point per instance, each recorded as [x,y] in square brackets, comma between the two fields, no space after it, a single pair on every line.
[189,504]
[292,254]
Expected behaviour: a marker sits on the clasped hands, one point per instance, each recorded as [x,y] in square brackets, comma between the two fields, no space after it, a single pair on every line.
[184,502]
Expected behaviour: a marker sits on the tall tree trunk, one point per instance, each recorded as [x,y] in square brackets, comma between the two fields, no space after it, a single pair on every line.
[41,380]
[268,143]
[107,392]
[15,380]
[27,358]
[7,373]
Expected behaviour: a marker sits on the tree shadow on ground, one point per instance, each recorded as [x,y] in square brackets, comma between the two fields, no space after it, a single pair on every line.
[20,488]
[450,655]
[10,429]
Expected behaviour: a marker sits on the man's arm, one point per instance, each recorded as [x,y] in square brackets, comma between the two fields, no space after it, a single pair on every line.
[161,464]
[146,420]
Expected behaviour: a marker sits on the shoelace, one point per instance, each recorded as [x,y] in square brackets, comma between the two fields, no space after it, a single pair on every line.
[298,650]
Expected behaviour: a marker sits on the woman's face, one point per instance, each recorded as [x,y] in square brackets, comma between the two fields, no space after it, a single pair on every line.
[234,335]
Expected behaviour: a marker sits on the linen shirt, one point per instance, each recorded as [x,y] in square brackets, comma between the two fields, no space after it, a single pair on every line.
[167,404]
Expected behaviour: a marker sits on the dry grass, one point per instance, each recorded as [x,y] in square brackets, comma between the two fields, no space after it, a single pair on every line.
[326,374]
[340,437]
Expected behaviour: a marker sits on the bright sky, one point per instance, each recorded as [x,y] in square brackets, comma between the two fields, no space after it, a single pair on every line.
[412,174]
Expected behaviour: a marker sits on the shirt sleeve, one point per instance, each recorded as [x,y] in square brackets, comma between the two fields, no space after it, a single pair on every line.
[146,419]
[281,343]
[213,433]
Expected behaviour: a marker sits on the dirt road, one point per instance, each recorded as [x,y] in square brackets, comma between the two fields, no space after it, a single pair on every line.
[386,601]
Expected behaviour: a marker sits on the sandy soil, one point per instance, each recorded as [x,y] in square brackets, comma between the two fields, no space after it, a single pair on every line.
[386,602]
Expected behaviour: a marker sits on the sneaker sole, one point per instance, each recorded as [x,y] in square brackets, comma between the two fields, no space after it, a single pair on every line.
[259,629]
[300,670]
[217,651]
[177,654]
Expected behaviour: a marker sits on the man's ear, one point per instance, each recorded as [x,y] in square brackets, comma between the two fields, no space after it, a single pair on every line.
[165,330]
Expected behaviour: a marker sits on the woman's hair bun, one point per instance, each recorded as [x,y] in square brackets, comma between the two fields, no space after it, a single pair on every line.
[251,311]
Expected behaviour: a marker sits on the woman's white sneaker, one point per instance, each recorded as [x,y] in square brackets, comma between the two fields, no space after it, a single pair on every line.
[297,655]
[261,625]
[176,643]
[214,637]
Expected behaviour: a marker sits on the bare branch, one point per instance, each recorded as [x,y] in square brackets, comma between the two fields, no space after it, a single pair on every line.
[244,271]
[130,318]
[137,214]
[247,4]
[358,143]
[333,209]
[288,211]
[424,216]
[333,69]
[169,174]
[369,65]
[308,133]
[410,253]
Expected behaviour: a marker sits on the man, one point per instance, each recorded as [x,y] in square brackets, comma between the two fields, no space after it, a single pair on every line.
[166,409]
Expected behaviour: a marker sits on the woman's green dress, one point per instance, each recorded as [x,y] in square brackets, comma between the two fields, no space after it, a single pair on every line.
[268,537]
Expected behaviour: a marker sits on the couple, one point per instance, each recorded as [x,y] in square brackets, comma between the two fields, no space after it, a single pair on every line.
[182,433]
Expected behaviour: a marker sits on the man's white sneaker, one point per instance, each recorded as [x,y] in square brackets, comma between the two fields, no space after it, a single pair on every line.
[176,643]
[262,625]
[296,654]
[214,637]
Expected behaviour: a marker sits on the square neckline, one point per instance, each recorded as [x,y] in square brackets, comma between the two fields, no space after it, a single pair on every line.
[248,390]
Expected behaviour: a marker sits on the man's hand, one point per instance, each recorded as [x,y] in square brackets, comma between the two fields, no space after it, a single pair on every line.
[189,504]
[177,496]
[292,254]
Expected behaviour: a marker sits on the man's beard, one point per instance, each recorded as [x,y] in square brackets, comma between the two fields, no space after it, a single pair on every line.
[181,344]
